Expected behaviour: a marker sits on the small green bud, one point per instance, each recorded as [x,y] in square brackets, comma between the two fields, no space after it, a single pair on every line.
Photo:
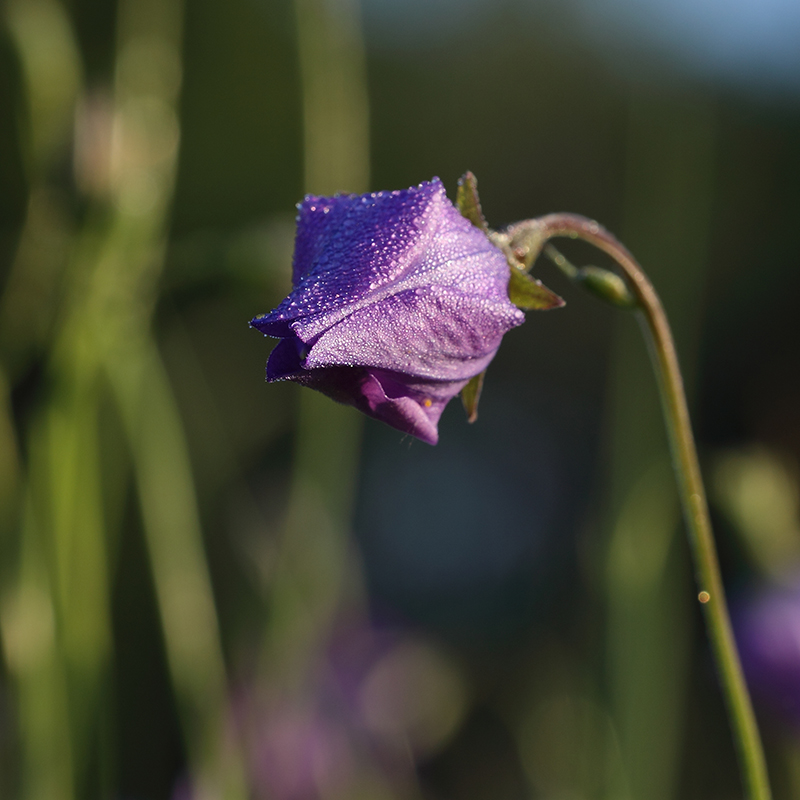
[606,285]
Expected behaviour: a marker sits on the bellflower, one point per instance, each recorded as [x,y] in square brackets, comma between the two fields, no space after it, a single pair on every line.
[398,302]
[767,630]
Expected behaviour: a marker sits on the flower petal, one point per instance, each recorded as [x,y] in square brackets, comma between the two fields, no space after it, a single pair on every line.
[436,332]
[401,412]
[350,253]
[349,246]
[413,407]
[285,360]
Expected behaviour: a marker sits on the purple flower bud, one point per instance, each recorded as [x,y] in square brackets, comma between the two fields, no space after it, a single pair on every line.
[768,634]
[398,301]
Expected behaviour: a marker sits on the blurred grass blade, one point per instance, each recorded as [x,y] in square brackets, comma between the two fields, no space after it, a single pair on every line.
[758,491]
[670,157]
[142,175]
[313,557]
[53,74]
[55,614]
[183,586]
[648,636]
[335,100]
[30,646]
[10,478]
[73,504]
[113,285]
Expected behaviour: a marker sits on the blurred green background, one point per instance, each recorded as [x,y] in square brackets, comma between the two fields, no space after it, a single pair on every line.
[215,588]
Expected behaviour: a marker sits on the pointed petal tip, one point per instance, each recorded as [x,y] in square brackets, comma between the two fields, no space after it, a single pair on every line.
[284,361]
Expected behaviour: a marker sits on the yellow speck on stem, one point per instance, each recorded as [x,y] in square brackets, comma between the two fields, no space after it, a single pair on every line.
[704,597]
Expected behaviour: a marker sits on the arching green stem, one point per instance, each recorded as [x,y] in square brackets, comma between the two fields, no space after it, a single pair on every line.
[527,240]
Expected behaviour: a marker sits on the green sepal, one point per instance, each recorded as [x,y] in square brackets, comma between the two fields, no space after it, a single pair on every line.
[468,202]
[527,241]
[529,294]
[471,394]
[524,291]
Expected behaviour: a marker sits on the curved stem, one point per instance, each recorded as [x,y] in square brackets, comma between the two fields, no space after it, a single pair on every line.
[527,239]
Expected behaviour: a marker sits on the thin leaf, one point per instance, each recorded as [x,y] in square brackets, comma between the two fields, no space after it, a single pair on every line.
[468,202]
[471,394]
[529,294]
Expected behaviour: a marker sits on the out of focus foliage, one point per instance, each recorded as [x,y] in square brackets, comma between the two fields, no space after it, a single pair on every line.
[211,587]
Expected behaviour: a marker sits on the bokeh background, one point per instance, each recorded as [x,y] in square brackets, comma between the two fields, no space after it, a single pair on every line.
[211,587]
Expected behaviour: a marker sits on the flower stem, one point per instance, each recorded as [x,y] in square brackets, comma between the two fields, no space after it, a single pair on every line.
[527,239]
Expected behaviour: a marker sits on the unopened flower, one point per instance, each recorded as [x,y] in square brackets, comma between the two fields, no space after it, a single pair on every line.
[398,301]
[767,626]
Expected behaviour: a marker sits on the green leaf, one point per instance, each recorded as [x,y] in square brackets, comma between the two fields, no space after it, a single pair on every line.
[524,291]
[471,394]
[468,203]
[529,294]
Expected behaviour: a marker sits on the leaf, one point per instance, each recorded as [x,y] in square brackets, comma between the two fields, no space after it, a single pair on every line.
[471,394]
[468,202]
[529,294]
[524,291]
